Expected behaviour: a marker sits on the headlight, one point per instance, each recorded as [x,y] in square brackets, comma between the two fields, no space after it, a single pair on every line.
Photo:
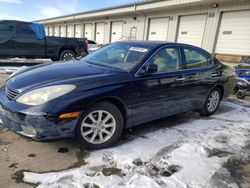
[45,94]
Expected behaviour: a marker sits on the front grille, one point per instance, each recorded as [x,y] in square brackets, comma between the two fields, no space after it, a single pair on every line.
[10,93]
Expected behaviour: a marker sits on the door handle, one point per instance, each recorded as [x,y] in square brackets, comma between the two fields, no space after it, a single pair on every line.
[180,79]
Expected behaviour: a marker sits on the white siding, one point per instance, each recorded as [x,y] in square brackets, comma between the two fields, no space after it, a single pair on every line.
[158,29]
[63,30]
[70,31]
[78,31]
[99,34]
[56,31]
[234,34]
[116,31]
[191,29]
[51,30]
[88,31]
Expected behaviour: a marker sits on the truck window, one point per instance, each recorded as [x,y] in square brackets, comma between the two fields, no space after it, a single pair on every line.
[6,28]
[26,30]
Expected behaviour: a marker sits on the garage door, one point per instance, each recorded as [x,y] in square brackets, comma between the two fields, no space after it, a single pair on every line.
[78,31]
[56,31]
[234,34]
[100,29]
[70,31]
[51,30]
[116,32]
[191,29]
[158,29]
[88,31]
[63,31]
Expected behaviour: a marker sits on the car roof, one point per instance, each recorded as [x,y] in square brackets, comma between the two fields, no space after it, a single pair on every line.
[158,43]
[17,21]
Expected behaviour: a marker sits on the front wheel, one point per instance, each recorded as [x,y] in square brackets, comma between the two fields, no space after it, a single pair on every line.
[100,126]
[212,102]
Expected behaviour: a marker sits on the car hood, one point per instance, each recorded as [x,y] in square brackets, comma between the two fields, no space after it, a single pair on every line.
[58,73]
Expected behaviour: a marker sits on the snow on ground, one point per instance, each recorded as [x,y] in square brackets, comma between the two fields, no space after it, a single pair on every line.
[173,156]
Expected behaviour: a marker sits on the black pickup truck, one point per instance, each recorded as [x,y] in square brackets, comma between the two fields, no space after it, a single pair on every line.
[28,40]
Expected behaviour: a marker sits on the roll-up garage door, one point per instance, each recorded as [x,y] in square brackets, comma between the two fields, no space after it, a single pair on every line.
[234,33]
[191,29]
[56,31]
[78,31]
[70,31]
[158,29]
[63,31]
[51,30]
[116,31]
[100,29]
[88,31]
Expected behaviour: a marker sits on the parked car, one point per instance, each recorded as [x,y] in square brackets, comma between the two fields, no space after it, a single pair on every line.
[28,40]
[116,87]
[242,74]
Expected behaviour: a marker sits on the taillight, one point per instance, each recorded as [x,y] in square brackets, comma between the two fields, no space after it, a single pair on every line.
[85,45]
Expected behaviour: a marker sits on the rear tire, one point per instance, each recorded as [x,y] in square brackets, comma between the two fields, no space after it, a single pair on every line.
[100,126]
[240,95]
[67,55]
[212,103]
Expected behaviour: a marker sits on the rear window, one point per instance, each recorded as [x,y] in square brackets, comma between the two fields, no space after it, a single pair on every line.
[195,59]
[7,28]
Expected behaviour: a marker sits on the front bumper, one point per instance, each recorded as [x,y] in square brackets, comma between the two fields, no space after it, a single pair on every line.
[36,126]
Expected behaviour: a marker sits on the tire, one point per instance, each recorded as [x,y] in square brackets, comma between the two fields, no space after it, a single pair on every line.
[240,95]
[90,127]
[212,103]
[67,55]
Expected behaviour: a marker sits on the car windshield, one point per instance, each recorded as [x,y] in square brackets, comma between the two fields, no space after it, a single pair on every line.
[121,56]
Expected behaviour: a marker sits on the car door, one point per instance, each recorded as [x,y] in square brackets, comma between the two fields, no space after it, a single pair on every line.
[7,35]
[28,43]
[162,93]
[201,75]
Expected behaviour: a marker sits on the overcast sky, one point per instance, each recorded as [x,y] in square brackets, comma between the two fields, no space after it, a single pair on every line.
[29,10]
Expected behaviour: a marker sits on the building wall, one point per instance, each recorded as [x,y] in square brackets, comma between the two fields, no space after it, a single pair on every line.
[141,21]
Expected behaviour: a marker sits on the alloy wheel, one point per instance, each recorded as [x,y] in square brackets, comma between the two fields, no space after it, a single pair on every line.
[98,127]
[213,101]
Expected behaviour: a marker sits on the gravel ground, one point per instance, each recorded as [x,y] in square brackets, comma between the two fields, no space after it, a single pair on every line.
[180,151]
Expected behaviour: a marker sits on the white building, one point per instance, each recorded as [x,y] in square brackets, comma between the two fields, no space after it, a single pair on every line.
[219,26]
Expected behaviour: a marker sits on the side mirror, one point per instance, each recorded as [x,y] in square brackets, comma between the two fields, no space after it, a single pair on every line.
[148,69]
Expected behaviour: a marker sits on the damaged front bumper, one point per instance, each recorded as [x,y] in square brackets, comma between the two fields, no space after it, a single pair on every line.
[29,122]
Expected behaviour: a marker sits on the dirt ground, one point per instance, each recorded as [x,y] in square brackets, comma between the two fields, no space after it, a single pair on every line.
[19,154]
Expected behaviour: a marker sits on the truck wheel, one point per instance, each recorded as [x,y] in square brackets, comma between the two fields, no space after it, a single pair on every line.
[67,55]
[100,126]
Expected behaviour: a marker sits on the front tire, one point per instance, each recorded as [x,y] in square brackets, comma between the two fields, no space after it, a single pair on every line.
[100,126]
[67,55]
[212,103]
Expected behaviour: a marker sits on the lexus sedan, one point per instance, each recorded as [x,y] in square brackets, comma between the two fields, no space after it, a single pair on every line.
[116,87]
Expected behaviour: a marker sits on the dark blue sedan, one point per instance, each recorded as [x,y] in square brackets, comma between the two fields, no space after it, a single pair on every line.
[119,86]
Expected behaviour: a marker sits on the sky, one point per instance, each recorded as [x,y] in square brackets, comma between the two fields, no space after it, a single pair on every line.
[30,10]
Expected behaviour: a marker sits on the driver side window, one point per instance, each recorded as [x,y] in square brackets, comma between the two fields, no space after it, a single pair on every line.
[167,60]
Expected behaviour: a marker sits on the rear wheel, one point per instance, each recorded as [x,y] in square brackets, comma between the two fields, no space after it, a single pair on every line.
[100,126]
[240,95]
[67,55]
[212,102]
